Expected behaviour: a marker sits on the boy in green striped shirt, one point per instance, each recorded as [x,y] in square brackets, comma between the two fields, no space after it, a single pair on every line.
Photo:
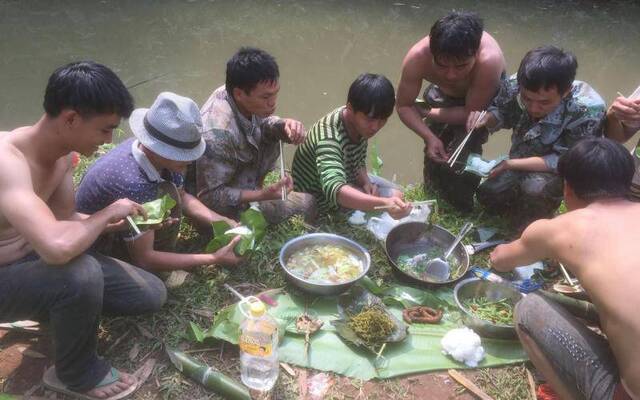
[331,163]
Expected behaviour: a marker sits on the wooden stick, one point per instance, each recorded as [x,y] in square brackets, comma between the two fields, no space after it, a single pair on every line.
[282,173]
[469,385]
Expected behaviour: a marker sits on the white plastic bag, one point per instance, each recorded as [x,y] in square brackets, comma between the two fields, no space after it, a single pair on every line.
[381,226]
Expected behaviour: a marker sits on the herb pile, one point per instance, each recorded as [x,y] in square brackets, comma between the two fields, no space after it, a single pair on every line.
[372,325]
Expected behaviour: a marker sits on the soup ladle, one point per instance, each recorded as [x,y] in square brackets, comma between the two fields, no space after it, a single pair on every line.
[438,269]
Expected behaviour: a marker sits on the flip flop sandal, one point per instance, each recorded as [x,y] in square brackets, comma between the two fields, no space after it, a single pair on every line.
[51,382]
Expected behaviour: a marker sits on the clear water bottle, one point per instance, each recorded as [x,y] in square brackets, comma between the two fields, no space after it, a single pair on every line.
[259,348]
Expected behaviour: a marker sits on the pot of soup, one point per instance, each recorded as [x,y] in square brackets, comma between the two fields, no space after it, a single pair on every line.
[324,263]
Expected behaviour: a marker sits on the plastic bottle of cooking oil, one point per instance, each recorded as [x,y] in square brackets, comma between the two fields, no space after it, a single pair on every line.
[258,348]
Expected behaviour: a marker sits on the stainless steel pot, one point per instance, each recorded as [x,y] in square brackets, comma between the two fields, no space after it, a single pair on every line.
[474,288]
[312,239]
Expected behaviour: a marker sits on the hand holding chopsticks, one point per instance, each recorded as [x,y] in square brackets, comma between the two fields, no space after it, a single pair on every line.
[454,157]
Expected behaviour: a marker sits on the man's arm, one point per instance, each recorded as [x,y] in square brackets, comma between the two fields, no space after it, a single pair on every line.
[194,209]
[56,241]
[408,89]
[145,256]
[622,112]
[534,245]
[285,129]
[530,164]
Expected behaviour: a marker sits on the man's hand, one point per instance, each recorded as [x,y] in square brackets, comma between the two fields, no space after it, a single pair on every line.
[370,188]
[294,130]
[481,122]
[274,192]
[500,168]
[399,209]
[120,209]
[626,111]
[226,256]
[436,151]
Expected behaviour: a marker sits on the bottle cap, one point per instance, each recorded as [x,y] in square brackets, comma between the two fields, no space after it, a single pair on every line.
[257,309]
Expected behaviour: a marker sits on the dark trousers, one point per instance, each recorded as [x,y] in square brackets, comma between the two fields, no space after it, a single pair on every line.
[522,197]
[71,297]
[456,188]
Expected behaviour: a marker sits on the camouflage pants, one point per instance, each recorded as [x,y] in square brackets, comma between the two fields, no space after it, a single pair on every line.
[457,189]
[297,203]
[521,196]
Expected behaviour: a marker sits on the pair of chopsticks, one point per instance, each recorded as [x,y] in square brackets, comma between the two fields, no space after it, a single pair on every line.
[454,157]
[282,174]
[413,204]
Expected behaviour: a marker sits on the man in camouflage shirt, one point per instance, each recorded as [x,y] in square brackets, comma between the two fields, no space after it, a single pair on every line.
[242,136]
[549,112]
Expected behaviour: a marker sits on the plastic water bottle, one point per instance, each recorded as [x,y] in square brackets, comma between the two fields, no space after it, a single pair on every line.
[259,348]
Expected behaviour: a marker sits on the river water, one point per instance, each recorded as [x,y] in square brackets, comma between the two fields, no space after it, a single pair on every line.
[321,46]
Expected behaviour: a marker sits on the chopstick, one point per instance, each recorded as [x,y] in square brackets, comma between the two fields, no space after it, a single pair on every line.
[566,275]
[133,225]
[454,157]
[282,173]
[413,203]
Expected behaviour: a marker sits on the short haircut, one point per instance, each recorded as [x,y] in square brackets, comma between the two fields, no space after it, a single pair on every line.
[597,168]
[546,67]
[248,67]
[456,36]
[372,95]
[88,88]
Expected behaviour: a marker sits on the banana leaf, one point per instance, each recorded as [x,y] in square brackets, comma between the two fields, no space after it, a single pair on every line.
[419,352]
[157,211]
[251,219]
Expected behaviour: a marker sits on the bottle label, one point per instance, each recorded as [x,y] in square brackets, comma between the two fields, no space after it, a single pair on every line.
[256,344]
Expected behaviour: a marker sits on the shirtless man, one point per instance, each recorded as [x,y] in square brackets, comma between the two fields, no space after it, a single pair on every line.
[597,241]
[464,65]
[45,273]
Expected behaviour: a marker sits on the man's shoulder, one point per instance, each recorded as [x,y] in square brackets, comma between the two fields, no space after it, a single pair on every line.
[586,100]
[217,112]
[329,126]
[418,61]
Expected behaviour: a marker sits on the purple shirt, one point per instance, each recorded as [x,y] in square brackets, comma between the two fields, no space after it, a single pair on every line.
[124,172]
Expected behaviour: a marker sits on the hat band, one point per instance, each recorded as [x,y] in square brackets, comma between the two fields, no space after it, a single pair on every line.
[166,139]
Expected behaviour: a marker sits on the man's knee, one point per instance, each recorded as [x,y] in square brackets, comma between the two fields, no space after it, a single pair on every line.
[153,296]
[529,313]
[81,280]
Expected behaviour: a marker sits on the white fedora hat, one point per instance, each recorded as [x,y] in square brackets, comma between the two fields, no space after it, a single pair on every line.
[171,128]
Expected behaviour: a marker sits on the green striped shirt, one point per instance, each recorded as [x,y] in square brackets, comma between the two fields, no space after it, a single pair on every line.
[327,160]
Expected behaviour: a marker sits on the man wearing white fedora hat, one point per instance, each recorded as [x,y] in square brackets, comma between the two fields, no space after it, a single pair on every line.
[167,139]
[242,137]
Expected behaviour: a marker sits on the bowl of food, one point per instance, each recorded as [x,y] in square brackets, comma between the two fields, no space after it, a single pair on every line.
[324,263]
[487,307]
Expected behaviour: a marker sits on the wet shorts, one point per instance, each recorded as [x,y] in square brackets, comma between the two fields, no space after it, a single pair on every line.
[580,357]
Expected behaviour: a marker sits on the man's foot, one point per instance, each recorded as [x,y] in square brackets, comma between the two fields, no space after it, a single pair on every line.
[109,387]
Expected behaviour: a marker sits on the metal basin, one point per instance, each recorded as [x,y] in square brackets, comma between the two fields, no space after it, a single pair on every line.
[312,239]
[474,288]
[418,237]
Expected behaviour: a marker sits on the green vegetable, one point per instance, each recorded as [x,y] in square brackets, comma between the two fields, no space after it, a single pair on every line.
[209,377]
[157,211]
[372,325]
[252,219]
[497,312]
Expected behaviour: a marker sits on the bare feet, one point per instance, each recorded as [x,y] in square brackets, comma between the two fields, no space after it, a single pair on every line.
[124,382]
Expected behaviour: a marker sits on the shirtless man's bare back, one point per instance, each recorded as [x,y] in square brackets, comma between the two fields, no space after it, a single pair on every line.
[464,65]
[597,242]
[44,271]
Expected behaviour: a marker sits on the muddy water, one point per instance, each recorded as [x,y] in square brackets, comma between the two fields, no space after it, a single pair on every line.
[320,45]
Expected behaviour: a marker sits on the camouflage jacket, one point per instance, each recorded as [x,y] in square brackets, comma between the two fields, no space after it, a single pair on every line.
[579,115]
[239,153]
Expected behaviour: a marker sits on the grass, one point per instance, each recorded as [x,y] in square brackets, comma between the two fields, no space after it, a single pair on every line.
[128,341]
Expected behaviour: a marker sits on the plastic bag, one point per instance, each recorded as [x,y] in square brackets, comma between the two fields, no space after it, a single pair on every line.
[381,226]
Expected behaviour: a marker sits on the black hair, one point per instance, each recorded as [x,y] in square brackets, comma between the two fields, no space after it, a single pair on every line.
[372,95]
[547,67]
[597,168]
[248,67]
[88,88]
[456,35]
